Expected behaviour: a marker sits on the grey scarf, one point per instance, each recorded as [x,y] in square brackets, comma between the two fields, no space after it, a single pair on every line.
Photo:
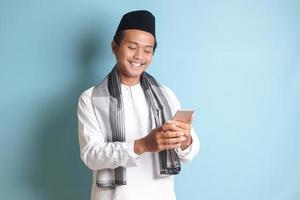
[169,163]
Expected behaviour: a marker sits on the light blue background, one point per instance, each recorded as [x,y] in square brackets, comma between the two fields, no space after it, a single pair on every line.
[237,63]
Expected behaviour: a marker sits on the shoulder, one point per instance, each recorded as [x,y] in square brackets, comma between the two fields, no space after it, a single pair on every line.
[97,90]
[87,93]
[168,91]
[85,97]
[171,97]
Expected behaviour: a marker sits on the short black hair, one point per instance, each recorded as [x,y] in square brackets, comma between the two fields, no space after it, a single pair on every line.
[119,36]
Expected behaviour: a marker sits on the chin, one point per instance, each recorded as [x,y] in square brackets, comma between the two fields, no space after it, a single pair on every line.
[134,75]
[136,72]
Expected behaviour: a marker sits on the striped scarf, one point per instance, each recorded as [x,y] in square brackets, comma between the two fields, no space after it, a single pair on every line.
[169,163]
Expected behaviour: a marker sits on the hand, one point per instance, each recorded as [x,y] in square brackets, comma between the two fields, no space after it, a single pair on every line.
[185,128]
[166,137]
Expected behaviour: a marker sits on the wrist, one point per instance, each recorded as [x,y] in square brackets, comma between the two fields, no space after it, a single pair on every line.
[186,143]
[139,146]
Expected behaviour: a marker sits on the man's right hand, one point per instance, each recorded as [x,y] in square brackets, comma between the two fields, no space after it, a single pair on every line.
[162,138]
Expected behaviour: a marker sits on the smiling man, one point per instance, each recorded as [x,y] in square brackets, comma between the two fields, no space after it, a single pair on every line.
[126,135]
[133,54]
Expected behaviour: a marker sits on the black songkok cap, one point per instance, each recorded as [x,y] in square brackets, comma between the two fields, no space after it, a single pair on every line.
[140,19]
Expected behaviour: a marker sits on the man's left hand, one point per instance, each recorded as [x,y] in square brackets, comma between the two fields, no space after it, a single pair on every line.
[184,128]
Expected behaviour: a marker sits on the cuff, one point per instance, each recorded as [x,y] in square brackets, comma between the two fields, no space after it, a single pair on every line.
[183,153]
[130,149]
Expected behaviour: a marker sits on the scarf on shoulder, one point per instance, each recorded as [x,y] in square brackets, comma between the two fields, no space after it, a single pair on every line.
[169,163]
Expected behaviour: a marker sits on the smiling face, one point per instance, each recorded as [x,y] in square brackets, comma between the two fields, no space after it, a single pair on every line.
[133,55]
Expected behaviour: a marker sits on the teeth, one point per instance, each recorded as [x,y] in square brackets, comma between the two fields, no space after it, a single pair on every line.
[136,64]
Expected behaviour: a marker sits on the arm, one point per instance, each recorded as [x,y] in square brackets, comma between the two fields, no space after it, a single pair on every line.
[95,152]
[159,139]
[187,153]
[190,147]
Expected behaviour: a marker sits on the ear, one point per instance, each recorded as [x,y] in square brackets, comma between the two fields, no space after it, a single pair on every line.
[114,47]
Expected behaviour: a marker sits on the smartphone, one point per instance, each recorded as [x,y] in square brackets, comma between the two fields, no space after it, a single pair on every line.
[185,116]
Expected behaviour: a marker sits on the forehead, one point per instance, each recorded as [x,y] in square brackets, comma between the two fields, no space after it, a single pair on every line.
[140,37]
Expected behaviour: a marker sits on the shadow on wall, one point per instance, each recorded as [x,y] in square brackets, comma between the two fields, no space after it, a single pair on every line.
[59,172]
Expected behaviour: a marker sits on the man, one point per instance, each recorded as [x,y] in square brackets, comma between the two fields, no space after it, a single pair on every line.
[125,133]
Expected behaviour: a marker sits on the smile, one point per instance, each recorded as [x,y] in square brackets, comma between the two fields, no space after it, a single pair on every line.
[136,64]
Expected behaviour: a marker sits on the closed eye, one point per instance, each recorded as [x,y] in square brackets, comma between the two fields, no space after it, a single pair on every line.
[148,50]
[130,47]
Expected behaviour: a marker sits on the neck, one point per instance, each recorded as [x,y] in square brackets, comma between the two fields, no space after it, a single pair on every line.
[129,81]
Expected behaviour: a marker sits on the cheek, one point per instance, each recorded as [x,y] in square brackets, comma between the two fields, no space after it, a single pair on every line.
[124,57]
[149,58]
[124,54]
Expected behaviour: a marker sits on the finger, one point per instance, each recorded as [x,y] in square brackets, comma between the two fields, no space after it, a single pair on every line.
[182,125]
[176,125]
[171,141]
[169,126]
[172,134]
[178,129]
[169,146]
[186,133]
[172,127]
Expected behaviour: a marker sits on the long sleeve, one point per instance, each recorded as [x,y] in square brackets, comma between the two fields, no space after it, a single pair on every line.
[95,152]
[189,153]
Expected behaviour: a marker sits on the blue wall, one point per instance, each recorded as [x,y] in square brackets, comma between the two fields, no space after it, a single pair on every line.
[237,63]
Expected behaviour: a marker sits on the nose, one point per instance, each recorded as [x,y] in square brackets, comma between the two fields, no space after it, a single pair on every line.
[138,54]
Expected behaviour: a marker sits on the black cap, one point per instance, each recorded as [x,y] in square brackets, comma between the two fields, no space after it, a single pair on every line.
[140,19]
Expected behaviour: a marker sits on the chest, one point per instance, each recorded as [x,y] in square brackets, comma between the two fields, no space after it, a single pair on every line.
[136,114]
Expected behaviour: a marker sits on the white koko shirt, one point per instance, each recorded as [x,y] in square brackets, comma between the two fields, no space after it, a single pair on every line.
[96,153]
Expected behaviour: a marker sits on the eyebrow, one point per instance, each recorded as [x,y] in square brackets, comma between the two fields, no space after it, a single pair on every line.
[151,46]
